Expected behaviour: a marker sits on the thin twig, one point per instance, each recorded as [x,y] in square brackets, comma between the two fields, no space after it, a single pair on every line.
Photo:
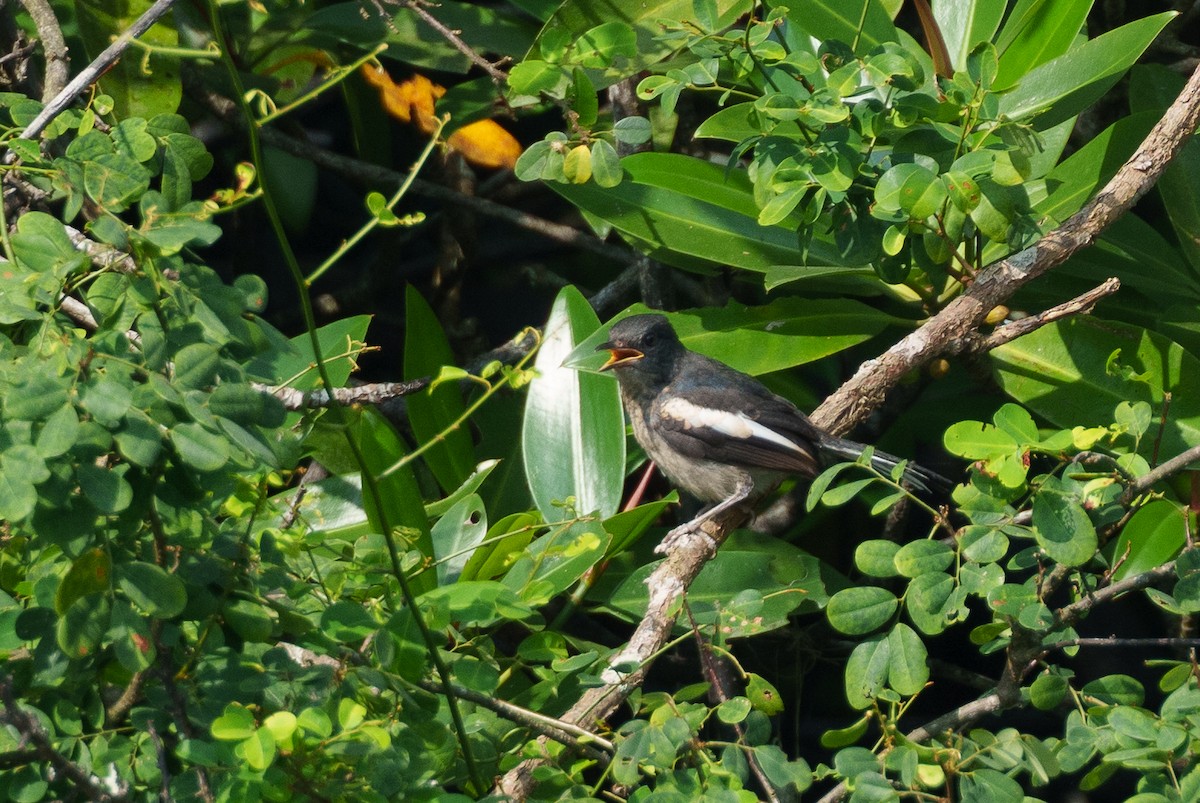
[452,36]
[31,731]
[1167,469]
[94,70]
[1080,305]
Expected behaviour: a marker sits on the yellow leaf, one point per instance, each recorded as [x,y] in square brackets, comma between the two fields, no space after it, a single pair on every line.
[483,143]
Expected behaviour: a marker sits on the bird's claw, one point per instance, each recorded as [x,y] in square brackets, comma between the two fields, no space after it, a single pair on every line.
[680,534]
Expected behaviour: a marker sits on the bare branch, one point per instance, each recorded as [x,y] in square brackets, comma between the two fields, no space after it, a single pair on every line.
[1080,305]
[54,47]
[1167,469]
[94,70]
[627,667]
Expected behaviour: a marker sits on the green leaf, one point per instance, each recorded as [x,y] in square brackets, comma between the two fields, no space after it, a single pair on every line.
[132,640]
[573,436]
[552,563]
[1063,528]
[199,448]
[433,411]
[1047,691]
[41,245]
[920,557]
[695,215]
[759,340]
[876,558]
[115,181]
[782,773]
[82,626]
[243,404]
[196,365]
[867,671]
[598,36]
[605,164]
[292,362]
[861,609]
[1073,373]
[139,439]
[1045,30]
[136,89]
[787,579]
[965,24]
[347,622]
[235,723]
[455,536]
[402,509]
[1061,88]
[908,671]
[106,488]
[59,433]
[1153,535]
[250,620]
[862,21]
[90,573]
[152,589]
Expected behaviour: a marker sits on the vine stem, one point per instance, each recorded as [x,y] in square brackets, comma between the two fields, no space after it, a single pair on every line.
[369,480]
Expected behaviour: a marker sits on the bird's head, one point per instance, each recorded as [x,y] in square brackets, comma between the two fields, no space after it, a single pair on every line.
[642,346]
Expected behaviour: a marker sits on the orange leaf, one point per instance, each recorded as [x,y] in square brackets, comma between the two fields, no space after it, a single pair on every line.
[486,144]
[483,143]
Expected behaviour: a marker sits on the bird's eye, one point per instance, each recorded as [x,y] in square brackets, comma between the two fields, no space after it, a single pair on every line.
[649,339]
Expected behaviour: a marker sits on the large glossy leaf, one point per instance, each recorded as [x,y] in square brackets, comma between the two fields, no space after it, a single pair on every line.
[574,18]
[455,535]
[434,410]
[691,213]
[401,506]
[1078,177]
[789,331]
[1151,90]
[574,433]
[1153,536]
[291,361]
[1063,87]
[1074,373]
[1037,31]
[137,90]
[862,22]
[966,23]
[788,579]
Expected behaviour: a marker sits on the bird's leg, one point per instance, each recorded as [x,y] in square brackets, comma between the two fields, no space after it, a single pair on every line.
[740,494]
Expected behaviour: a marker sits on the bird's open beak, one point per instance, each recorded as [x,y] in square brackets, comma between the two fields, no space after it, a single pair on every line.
[618,356]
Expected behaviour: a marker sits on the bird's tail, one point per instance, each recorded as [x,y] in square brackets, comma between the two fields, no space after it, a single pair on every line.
[916,476]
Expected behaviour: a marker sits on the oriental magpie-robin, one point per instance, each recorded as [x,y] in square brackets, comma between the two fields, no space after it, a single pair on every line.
[715,432]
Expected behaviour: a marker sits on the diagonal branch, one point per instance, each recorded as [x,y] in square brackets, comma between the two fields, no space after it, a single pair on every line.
[854,400]
[94,70]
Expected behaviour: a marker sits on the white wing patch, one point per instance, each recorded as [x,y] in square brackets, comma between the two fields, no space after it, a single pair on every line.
[735,425]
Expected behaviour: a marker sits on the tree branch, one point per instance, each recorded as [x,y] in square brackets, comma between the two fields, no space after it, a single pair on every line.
[855,399]
[54,47]
[627,667]
[1173,466]
[94,70]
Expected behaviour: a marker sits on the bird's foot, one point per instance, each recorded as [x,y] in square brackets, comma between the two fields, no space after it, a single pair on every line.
[681,533]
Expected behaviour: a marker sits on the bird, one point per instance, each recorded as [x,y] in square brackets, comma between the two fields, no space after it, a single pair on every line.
[717,433]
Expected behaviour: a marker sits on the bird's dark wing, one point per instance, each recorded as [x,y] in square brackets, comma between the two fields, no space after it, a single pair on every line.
[723,415]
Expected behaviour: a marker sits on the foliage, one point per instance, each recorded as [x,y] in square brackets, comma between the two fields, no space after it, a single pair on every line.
[208,593]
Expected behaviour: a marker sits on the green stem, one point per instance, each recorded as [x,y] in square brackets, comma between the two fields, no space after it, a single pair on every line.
[178,52]
[374,221]
[370,481]
[458,422]
[338,76]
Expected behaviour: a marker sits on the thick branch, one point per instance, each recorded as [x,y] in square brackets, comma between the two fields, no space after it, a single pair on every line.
[851,403]
[627,668]
[54,47]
